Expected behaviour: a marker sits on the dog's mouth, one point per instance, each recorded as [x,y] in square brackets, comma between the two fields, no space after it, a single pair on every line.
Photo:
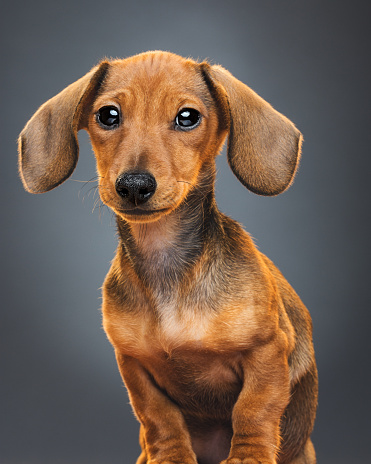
[140,214]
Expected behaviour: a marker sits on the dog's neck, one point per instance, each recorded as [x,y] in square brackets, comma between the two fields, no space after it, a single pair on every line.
[161,252]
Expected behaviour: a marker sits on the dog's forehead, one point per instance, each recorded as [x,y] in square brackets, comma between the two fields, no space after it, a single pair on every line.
[155,73]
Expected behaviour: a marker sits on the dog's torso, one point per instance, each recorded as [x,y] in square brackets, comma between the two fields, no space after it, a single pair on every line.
[189,340]
[186,331]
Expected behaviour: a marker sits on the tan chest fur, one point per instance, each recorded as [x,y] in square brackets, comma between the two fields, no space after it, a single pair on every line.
[143,332]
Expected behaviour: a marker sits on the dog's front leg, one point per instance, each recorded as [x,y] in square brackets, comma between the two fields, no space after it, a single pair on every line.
[167,440]
[260,405]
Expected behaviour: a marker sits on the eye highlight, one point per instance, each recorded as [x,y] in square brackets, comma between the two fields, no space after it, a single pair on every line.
[108,117]
[187,119]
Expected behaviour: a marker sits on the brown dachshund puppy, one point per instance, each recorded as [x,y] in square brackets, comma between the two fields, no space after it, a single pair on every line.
[214,346]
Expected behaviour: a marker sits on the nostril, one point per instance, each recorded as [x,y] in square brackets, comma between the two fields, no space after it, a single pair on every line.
[144,191]
[121,188]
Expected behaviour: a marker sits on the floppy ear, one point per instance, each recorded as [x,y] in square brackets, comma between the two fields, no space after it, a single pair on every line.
[263,145]
[48,147]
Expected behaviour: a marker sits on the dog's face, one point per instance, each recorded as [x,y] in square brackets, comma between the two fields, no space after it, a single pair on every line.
[157,120]
[153,126]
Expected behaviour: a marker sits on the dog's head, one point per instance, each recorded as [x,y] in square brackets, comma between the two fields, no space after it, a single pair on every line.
[155,121]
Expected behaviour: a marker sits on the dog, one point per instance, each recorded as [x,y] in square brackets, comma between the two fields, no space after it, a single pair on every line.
[213,344]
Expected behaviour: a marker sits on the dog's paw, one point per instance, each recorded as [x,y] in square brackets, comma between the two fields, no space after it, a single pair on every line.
[246,461]
[181,461]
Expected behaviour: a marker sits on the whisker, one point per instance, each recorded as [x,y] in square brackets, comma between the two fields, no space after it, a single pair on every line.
[93,179]
[95,189]
[100,209]
[97,200]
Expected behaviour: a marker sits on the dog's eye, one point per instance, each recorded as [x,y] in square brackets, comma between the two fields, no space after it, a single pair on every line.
[108,117]
[187,119]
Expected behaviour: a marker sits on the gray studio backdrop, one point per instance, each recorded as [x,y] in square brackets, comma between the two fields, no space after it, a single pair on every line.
[62,399]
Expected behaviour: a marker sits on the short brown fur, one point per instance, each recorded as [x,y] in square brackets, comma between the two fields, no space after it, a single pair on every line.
[214,346]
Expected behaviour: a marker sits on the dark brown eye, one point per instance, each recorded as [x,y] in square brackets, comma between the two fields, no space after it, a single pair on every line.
[187,119]
[108,117]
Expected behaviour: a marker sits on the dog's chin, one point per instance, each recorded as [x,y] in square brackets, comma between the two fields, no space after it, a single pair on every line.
[140,215]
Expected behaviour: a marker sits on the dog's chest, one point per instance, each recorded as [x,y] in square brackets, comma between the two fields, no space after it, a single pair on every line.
[180,325]
[172,325]
[145,332]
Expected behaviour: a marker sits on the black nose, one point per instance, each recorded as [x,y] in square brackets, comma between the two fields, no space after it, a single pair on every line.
[136,187]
